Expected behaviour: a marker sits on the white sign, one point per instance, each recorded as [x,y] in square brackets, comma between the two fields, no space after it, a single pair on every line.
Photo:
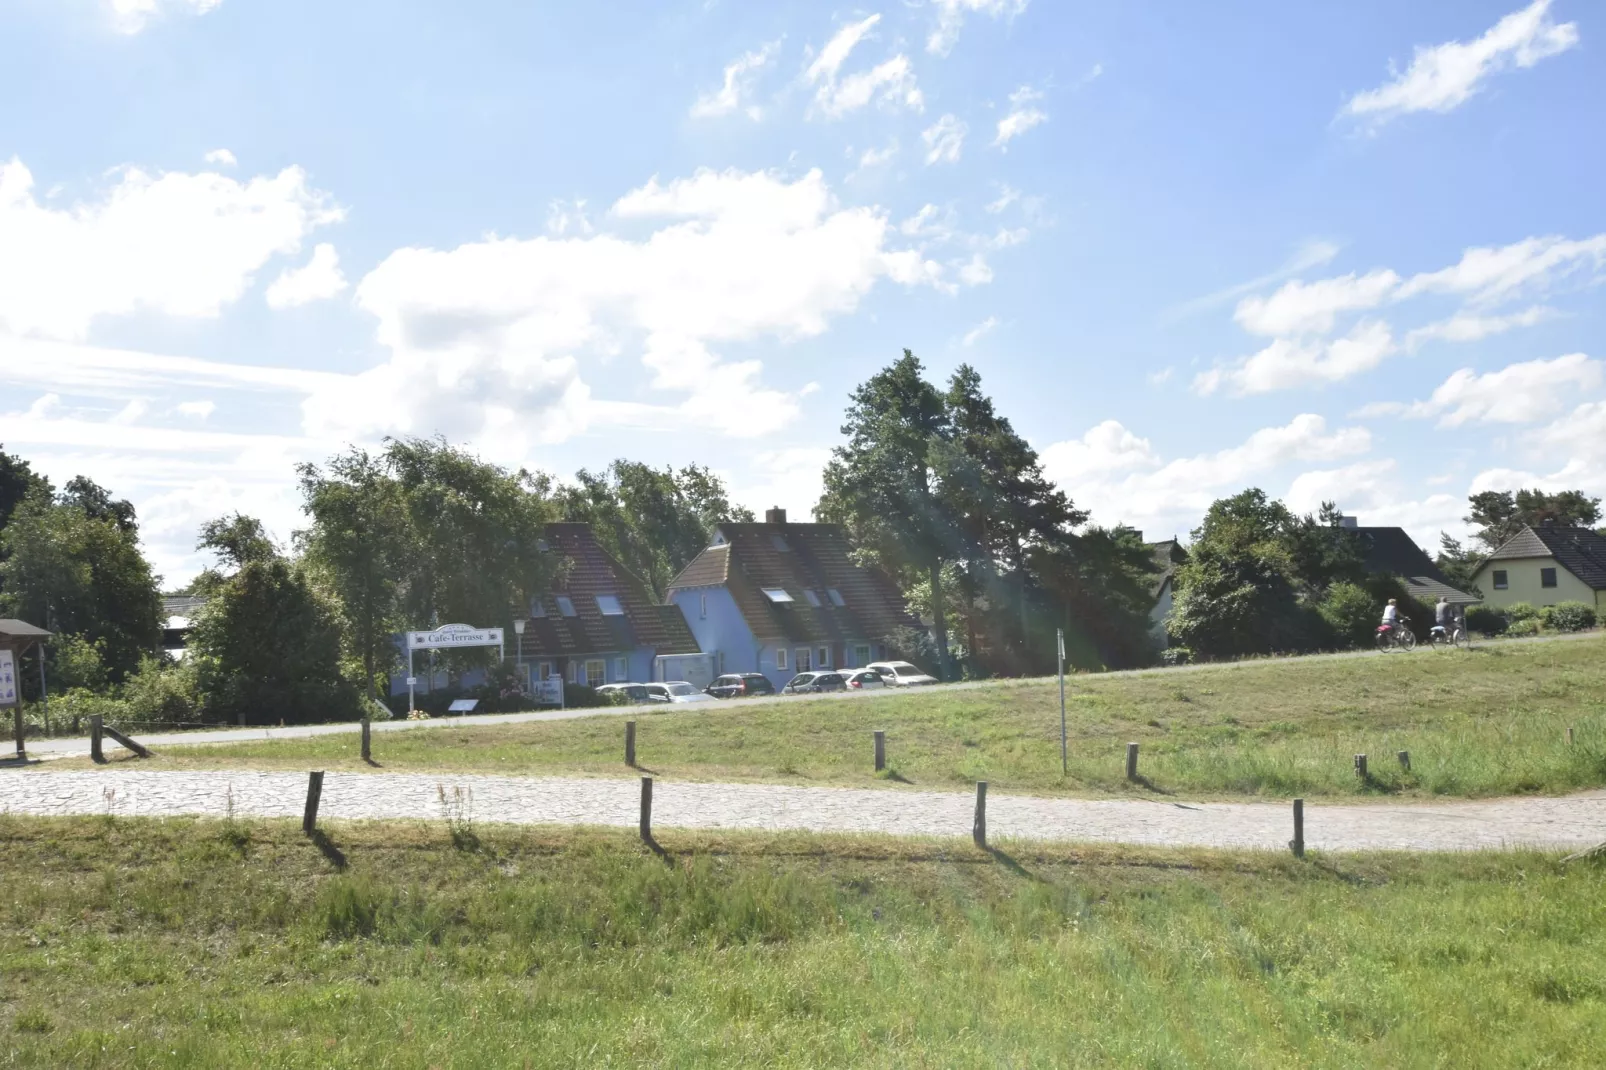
[8,679]
[454,635]
[549,692]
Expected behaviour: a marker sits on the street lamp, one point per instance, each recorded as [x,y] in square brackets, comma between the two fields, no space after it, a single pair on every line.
[518,650]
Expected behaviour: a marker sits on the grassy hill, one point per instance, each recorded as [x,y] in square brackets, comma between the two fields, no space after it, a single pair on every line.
[130,943]
[1484,722]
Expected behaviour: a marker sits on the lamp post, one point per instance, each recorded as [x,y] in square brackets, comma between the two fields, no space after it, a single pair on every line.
[518,651]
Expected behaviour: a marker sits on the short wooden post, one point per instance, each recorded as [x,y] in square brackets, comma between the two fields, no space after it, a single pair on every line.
[367,749]
[1405,760]
[630,744]
[22,732]
[97,753]
[1298,842]
[646,809]
[1131,761]
[978,832]
[880,751]
[1360,766]
[1569,737]
[309,817]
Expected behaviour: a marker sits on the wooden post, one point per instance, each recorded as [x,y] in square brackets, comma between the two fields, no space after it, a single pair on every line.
[880,751]
[309,817]
[646,809]
[1360,766]
[1405,760]
[1569,738]
[1131,761]
[128,741]
[978,832]
[96,752]
[630,744]
[22,748]
[1298,842]
[367,742]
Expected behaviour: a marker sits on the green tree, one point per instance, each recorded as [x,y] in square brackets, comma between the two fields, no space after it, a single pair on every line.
[267,646]
[1458,563]
[17,479]
[1498,515]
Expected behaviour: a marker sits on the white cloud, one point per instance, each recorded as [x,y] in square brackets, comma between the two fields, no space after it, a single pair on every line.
[1023,115]
[1443,77]
[221,157]
[789,478]
[873,157]
[951,18]
[131,16]
[318,280]
[198,409]
[1007,195]
[739,78]
[1489,275]
[892,82]
[1470,327]
[99,372]
[976,333]
[1311,307]
[931,223]
[1522,393]
[1311,254]
[976,272]
[1288,363]
[490,341]
[1372,492]
[1106,449]
[178,244]
[945,140]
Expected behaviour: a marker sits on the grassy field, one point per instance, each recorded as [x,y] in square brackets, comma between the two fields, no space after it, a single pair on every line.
[1489,721]
[141,944]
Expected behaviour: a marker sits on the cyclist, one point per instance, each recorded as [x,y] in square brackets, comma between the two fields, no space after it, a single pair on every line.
[1391,615]
[1444,617]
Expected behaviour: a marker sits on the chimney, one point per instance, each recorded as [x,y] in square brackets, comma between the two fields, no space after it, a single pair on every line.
[1548,522]
[775,515]
[1349,523]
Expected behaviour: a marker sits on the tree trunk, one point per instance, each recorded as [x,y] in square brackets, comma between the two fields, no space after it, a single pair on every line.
[940,620]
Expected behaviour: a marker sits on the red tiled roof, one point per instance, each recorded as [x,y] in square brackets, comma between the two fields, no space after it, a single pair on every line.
[591,572]
[814,558]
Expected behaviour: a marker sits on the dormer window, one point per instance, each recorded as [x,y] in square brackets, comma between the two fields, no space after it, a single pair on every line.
[814,599]
[537,608]
[565,606]
[777,594]
[609,606]
[543,546]
[835,596]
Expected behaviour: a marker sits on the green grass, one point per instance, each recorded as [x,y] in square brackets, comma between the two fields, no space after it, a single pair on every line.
[204,943]
[1490,721]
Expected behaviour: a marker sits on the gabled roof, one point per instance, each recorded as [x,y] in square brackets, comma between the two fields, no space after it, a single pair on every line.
[182,605]
[1168,554]
[1578,550]
[1391,552]
[592,572]
[797,558]
[11,628]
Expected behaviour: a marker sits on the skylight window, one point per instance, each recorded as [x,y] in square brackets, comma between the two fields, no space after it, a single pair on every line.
[565,606]
[609,605]
[537,608]
[835,596]
[777,594]
[779,541]
[814,599]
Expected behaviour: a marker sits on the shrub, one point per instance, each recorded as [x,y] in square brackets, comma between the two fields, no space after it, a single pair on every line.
[1525,626]
[1568,616]
[1351,612]
[79,704]
[1176,655]
[1521,611]
[161,691]
[1486,621]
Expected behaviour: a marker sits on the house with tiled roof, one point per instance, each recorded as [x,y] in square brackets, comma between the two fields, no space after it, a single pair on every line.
[780,598]
[1169,555]
[1390,551]
[1545,565]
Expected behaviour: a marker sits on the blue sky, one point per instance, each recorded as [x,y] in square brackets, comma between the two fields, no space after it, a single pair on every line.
[1351,252]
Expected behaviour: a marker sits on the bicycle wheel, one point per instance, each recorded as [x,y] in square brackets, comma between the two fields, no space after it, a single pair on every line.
[1459,639]
[1383,642]
[1407,639]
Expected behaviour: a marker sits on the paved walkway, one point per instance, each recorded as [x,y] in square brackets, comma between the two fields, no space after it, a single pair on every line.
[1571,822]
[58,748]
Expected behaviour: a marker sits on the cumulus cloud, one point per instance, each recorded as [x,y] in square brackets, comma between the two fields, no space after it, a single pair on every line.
[1023,115]
[874,157]
[1312,307]
[178,244]
[1489,275]
[951,18]
[891,82]
[221,157]
[200,410]
[945,140]
[1470,327]
[1288,363]
[318,280]
[976,333]
[131,16]
[1522,393]
[738,85]
[1443,77]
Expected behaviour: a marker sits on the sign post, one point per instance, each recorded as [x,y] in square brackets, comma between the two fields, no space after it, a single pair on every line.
[449,637]
[1064,761]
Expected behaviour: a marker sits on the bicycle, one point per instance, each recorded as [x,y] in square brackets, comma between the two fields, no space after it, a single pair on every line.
[1398,637]
[1455,636]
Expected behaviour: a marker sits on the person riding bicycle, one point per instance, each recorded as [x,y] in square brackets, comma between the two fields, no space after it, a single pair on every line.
[1444,616]
[1391,615]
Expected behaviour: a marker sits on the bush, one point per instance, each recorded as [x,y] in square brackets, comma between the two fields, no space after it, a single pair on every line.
[1525,626]
[1521,611]
[1568,616]
[161,691]
[1486,621]
[1351,612]
[77,706]
[1176,655]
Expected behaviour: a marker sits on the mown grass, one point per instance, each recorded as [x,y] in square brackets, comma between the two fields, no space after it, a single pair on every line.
[1489,721]
[208,943]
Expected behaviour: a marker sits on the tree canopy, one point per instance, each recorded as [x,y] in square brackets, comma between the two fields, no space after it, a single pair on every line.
[1500,514]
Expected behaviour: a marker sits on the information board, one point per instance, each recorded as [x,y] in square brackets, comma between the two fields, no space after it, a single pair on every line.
[8,679]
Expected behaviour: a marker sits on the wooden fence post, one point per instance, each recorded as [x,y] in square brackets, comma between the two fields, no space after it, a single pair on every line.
[309,817]
[880,751]
[1131,761]
[367,748]
[1298,842]
[646,810]
[978,831]
[1360,766]
[1405,760]
[22,731]
[1569,737]
[97,753]
[630,744]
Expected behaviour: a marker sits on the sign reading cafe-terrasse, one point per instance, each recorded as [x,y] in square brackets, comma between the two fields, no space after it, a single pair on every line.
[454,635]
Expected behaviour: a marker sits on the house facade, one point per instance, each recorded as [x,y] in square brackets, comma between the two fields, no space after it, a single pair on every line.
[780,598]
[1168,557]
[1545,565]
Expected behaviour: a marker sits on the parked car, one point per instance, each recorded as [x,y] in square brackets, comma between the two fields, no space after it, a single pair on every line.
[631,692]
[676,691]
[812,682]
[741,685]
[864,680]
[900,674]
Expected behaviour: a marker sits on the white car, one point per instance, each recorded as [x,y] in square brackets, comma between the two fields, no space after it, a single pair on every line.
[676,691]
[900,674]
[864,680]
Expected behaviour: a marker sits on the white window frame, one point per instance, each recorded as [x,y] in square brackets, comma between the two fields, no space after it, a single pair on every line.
[861,654]
[621,669]
[822,657]
[565,605]
[537,608]
[803,658]
[601,675]
[543,670]
[780,658]
[777,595]
[574,671]
[780,544]
[835,596]
[618,609]
[702,606]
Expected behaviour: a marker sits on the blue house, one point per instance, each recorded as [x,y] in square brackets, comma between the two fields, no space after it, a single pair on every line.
[780,599]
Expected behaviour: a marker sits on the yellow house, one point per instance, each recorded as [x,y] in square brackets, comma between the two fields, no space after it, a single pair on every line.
[1546,565]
